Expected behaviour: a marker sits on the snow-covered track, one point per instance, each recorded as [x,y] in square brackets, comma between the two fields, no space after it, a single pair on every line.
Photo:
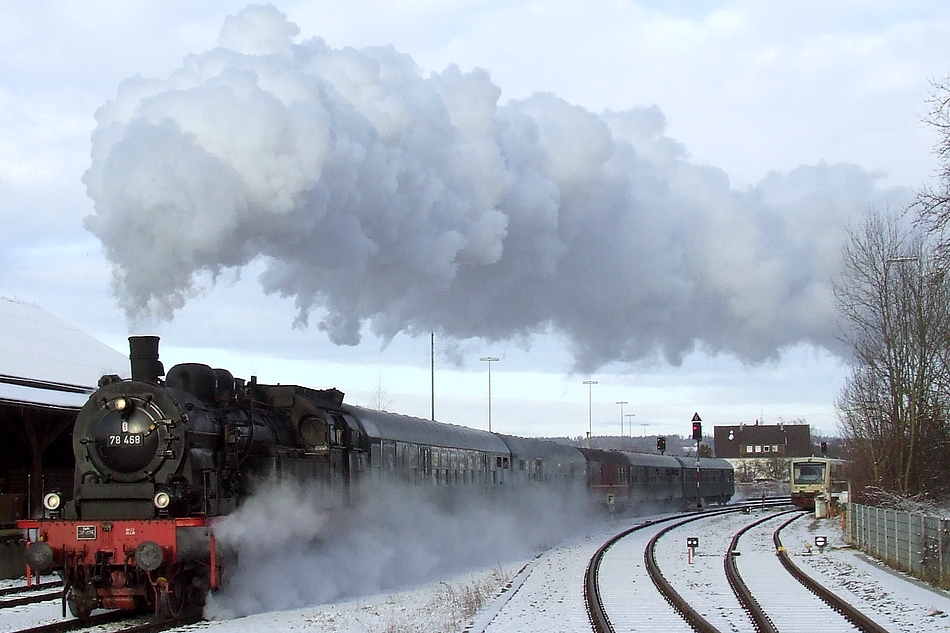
[758,588]
[628,550]
[8,591]
[780,601]
[857,618]
[97,622]
[20,600]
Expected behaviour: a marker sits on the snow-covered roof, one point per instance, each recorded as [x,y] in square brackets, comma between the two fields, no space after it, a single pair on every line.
[48,362]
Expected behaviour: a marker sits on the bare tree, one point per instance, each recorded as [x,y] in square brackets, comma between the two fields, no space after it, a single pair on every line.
[380,396]
[893,297]
[933,202]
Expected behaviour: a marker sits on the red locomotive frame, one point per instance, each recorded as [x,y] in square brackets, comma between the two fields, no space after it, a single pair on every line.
[111,546]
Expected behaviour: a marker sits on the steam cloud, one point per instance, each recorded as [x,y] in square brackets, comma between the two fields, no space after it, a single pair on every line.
[378,197]
[297,547]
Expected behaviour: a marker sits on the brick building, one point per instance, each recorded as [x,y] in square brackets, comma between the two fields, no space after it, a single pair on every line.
[761,451]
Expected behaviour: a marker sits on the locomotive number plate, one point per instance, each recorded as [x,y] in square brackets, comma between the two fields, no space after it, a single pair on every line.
[85,532]
[126,439]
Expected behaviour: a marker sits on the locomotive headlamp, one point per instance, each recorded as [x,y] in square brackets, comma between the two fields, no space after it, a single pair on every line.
[120,404]
[52,501]
[162,500]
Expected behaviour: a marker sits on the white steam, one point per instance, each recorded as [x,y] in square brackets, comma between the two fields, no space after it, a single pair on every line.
[378,196]
[299,545]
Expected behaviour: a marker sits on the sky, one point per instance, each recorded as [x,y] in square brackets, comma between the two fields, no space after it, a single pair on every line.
[653,198]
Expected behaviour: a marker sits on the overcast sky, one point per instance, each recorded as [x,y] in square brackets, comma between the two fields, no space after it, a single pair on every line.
[648,197]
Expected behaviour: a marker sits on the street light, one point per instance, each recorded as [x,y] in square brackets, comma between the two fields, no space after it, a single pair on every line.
[630,422]
[590,418]
[489,360]
[621,403]
[897,260]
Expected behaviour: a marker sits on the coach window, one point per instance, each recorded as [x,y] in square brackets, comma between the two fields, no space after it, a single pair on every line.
[337,430]
[389,452]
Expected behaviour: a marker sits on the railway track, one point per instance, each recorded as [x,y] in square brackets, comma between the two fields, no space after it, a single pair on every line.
[657,613]
[26,588]
[98,621]
[749,563]
[6,603]
[30,594]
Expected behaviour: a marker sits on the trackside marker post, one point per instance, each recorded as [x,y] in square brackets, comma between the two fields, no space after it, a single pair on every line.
[692,543]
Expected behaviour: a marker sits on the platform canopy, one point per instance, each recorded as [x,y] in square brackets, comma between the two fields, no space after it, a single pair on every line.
[47,362]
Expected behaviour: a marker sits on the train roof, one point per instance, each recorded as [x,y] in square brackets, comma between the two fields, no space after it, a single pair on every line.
[652,460]
[707,463]
[525,447]
[383,425]
[818,459]
[607,457]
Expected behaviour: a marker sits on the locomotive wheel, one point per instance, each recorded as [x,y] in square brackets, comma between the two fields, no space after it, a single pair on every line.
[171,599]
[79,603]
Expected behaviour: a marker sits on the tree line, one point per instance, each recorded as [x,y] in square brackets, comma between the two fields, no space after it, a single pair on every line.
[894,299]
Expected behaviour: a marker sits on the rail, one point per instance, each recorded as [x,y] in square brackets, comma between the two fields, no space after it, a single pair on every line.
[599,620]
[851,614]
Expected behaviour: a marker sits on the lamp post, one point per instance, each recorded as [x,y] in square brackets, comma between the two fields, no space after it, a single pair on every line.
[489,360]
[621,403]
[590,417]
[630,422]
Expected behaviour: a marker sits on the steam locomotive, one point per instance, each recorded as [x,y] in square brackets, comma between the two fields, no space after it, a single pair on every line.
[157,460]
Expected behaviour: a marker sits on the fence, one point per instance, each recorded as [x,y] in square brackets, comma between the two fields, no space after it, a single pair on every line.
[914,543]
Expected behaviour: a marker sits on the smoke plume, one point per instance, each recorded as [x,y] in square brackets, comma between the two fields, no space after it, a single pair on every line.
[293,545]
[384,200]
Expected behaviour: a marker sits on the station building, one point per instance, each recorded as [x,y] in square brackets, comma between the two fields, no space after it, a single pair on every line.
[48,368]
[761,452]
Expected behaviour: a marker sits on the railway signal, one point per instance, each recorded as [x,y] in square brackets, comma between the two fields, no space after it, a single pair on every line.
[698,436]
[661,445]
[824,448]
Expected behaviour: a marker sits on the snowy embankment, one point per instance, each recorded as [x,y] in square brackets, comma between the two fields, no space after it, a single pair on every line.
[549,597]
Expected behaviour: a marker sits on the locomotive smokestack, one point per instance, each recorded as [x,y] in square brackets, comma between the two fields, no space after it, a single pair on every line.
[143,354]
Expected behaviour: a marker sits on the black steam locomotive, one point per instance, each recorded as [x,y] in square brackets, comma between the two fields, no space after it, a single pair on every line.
[157,460]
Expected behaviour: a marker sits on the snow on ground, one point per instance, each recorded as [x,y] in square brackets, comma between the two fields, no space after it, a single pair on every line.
[550,595]
[545,594]
[895,600]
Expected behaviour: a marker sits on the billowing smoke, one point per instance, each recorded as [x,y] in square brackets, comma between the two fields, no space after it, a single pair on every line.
[380,198]
[297,546]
